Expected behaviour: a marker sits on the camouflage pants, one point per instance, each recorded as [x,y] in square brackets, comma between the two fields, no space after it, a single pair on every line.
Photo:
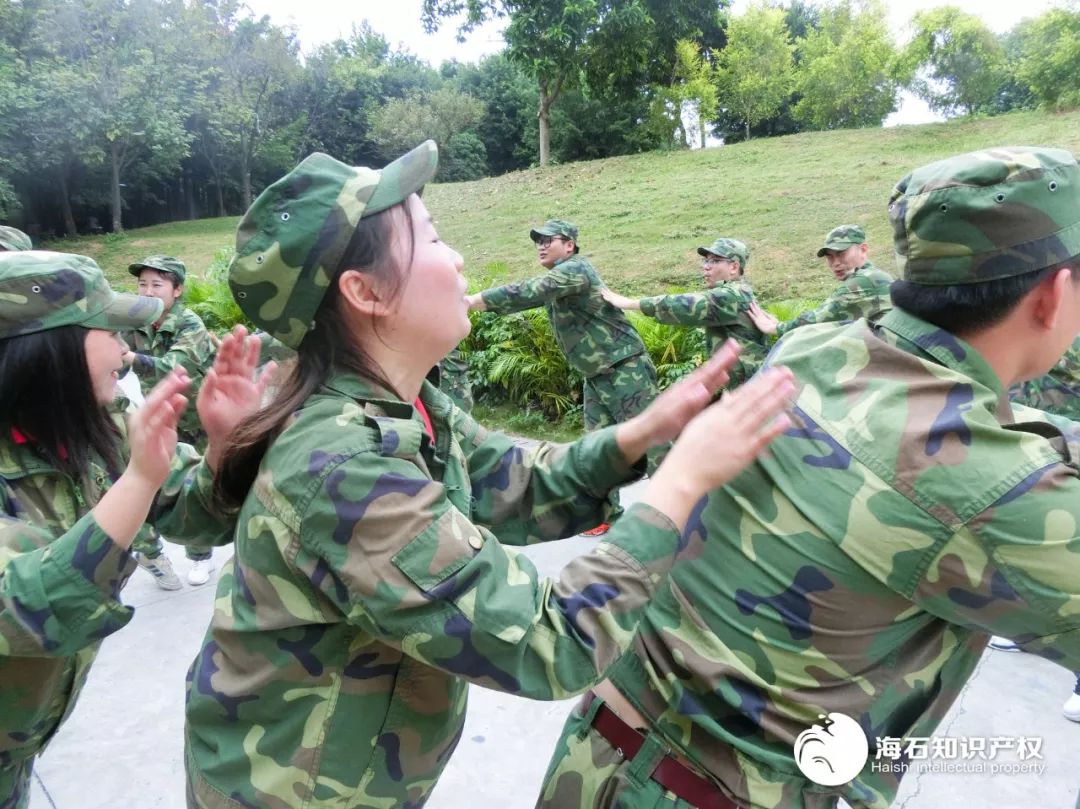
[15,784]
[148,543]
[586,772]
[617,395]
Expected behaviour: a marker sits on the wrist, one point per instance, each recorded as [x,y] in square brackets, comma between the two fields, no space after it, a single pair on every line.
[137,484]
[673,492]
[634,438]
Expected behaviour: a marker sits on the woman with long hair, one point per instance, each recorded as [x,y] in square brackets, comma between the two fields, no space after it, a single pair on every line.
[77,482]
[371,581]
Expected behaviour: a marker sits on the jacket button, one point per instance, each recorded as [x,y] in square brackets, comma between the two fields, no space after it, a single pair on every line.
[476,541]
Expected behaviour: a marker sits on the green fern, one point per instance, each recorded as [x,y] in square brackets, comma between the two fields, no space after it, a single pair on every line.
[210,297]
[674,350]
[791,308]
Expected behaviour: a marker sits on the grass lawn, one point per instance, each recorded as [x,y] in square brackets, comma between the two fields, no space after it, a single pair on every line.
[641,217]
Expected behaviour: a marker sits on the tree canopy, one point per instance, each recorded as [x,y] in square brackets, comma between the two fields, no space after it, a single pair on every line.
[123,113]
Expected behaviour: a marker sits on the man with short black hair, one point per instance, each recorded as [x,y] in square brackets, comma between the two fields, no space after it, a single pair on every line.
[722,310]
[855,572]
[863,290]
[598,340]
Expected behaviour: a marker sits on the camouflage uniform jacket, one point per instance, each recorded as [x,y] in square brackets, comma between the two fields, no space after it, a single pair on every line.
[858,565]
[181,341]
[723,312]
[364,595]
[592,333]
[864,293]
[1057,392]
[60,580]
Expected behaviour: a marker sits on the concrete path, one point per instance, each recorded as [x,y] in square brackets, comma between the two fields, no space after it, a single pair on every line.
[122,746]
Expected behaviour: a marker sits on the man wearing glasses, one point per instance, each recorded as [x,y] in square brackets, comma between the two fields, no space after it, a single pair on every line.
[722,310]
[863,290]
[598,340]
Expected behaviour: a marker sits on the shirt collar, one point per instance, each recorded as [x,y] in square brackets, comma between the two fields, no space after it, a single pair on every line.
[944,347]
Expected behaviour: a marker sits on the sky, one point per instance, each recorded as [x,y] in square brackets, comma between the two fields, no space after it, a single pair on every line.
[319,21]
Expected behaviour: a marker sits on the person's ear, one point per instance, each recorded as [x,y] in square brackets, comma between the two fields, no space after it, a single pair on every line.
[360,293]
[1051,297]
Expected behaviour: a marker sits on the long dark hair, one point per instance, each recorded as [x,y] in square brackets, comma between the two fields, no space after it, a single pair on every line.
[46,393]
[329,345]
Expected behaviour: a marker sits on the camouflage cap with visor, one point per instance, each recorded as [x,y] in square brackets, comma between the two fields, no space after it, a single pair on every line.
[728,248]
[292,239]
[161,264]
[14,239]
[841,238]
[40,290]
[987,215]
[555,227]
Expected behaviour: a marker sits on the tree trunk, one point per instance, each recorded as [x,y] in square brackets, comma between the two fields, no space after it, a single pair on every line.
[245,175]
[117,221]
[748,129]
[65,204]
[220,199]
[189,192]
[545,129]
[701,125]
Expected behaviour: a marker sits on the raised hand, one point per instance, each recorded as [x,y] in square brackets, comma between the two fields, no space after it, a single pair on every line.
[720,442]
[231,391]
[665,418]
[152,429]
[766,323]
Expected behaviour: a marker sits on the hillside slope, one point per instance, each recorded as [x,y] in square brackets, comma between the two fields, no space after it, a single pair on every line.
[641,217]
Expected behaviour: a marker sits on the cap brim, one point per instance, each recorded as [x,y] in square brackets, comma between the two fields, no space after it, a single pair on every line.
[126,311]
[541,233]
[406,175]
[705,251]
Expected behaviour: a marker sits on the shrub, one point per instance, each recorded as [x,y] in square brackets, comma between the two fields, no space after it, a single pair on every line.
[210,297]
[515,358]
[674,350]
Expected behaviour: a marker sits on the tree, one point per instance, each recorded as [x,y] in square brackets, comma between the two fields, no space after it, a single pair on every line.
[691,95]
[846,72]
[510,101]
[1049,63]
[444,115]
[954,61]
[756,67]
[608,43]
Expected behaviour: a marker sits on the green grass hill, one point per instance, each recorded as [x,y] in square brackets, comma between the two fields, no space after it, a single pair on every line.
[642,216]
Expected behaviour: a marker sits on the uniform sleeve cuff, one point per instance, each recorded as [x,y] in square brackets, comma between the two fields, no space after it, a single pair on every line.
[611,468]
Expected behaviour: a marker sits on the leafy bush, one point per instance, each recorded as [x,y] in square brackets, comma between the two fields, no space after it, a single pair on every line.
[515,358]
[210,297]
[674,350]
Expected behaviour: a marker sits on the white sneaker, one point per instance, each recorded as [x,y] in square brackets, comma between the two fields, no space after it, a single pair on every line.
[1003,644]
[200,571]
[162,570]
[1072,708]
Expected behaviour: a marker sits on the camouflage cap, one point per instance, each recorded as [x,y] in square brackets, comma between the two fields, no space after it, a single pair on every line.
[842,237]
[40,290]
[555,227]
[987,215]
[728,248]
[161,263]
[292,238]
[14,239]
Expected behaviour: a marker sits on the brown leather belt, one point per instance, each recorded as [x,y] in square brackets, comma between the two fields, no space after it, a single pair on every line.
[670,773]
